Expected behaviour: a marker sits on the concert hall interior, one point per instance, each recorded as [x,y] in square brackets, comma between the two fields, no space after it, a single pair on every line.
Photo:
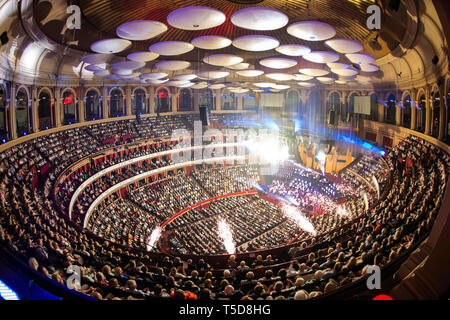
[224,150]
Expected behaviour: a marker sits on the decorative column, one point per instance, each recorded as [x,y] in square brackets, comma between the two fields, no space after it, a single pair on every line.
[81,105]
[12,112]
[58,107]
[128,100]
[105,103]
[240,99]
[442,112]
[174,101]
[218,99]
[413,93]
[398,115]
[152,100]
[381,111]
[427,111]
[34,109]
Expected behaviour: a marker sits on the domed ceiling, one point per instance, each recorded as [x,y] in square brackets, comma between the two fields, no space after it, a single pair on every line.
[245,39]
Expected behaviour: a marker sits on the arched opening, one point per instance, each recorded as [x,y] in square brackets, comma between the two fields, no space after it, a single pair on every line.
[249,101]
[116,104]
[391,109]
[92,106]
[45,111]
[420,119]
[314,105]
[207,99]
[373,107]
[334,108]
[229,100]
[435,113]
[69,107]
[185,100]
[163,101]
[22,113]
[3,115]
[292,101]
[406,112]
[351,102]
[139,102]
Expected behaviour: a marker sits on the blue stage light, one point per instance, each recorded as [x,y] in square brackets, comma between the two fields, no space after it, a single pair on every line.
[6,293]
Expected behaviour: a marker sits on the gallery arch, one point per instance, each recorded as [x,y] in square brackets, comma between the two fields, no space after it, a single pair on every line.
[406,111]
[163,101]
[391,109]
[139,102]
[45,111]
[185,100]
[116,103]
[92,105]
[23,115]
[69,108]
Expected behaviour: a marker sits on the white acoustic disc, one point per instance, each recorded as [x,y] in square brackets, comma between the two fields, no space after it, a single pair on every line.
[130,65]
[250,73]
[306,84]
[294,50]
[141,30]
[216,86]
[314,72]
[326,80]
[347,72]
[153,81]
[321,57]
[360,58]
[173,83]
[240,66]
[97,58]
[258,90]
[122,72]
[196,18]
[171,48]
[337,65]
[153,75]
[200,85]
[259,18]
[302,77]
[102,73]
[278,63]
[340,82]
[211,42]
[172,65]
[143,56]
[264,84]
[280,76]
[211,75]
[185,77]
[369,67]
[344,45]
[256,43]
[95,67]
[222,60]
[185,85]
[280,87]
[311,30]
[110,45]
